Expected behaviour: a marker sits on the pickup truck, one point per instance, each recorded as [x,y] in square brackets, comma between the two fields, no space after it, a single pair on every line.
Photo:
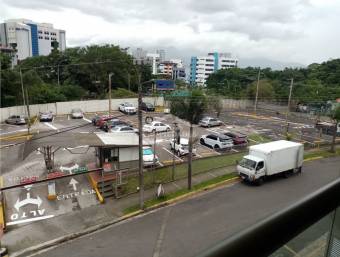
[278,157]
[182,148]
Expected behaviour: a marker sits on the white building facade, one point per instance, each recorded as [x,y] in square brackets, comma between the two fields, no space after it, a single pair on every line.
[201,67]
[31,38]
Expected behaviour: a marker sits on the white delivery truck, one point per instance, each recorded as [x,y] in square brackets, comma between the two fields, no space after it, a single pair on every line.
[271,158]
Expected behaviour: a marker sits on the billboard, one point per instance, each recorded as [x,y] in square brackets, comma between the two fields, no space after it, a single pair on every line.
[165,84]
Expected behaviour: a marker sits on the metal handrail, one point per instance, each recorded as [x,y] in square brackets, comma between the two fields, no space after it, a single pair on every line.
[268,235]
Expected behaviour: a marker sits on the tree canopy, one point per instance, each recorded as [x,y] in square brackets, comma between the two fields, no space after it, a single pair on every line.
[314,84]
[75,74]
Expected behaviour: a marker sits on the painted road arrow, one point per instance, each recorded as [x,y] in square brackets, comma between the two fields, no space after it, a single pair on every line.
[28,200]
[74,183]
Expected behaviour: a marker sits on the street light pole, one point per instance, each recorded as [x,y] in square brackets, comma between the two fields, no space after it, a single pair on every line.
[288,106]
[110,75]
[140,144]
[257,90]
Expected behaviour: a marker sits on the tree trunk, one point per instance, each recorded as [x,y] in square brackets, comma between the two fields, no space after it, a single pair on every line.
[334,138]
[190,158]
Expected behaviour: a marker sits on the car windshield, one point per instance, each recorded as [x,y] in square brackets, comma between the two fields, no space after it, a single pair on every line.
[225,139]
[128,105]
[147,151]
[247,163]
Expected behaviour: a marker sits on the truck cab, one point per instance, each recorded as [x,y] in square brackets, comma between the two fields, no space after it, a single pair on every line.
[251,168]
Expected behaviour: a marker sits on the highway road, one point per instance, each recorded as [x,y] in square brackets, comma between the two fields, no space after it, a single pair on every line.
[189,227]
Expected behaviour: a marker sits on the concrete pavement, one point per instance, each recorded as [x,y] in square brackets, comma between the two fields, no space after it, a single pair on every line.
[186,228]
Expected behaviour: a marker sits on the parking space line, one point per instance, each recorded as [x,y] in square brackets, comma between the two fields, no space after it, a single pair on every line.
[234,150]
[176,185]
[198,155]
[12,132]
[50,125]
[87,120]
[211,174]
[172,154]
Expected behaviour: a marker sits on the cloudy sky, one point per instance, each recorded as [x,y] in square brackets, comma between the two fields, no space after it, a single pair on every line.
[258,32]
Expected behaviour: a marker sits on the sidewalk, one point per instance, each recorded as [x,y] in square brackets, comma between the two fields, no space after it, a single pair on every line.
[21,237]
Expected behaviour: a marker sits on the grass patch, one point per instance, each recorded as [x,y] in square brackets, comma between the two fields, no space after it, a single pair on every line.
[202,185]
[321,153]
[164,175]
[259,139]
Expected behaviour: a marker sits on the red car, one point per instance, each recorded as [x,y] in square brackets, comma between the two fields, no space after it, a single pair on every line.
[238,139]
[101,121]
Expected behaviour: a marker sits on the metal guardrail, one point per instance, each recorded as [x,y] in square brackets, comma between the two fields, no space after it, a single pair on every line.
[265,237]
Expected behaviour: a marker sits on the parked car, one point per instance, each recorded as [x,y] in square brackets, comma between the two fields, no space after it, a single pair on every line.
[209,122]
[45,116]
[123,129]
[16,120]
[148,107]
[217,141]
[103,119]
[156,126]
[113,123]
[182,148]
[127,108]
[148,157]
[77,113]
[238,139]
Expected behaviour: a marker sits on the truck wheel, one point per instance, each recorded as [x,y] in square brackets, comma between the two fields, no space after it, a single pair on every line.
[259,181]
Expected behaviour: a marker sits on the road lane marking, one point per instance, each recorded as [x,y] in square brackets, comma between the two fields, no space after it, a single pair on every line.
[12,132]
[89,121]
[29,220]
[172,154]
[50,125]
[157,251]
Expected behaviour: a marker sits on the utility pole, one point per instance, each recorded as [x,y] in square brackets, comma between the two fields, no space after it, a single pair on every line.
[0,74]
[129,81]
[140,144]
[28,112]
[288,106]
[173,156]
[257,90]
[25,102]
[58,75]
[110,92]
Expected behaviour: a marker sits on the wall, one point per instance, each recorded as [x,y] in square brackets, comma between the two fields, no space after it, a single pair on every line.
[61,108]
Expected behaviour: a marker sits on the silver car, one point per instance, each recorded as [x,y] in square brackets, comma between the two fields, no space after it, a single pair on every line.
[16,120]
[45,116]
[210,122]
[77,114]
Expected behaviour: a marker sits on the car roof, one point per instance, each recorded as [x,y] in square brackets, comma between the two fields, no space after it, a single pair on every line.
[222,136]
[236,134]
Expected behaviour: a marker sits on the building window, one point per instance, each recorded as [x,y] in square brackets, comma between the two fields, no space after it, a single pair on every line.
[47,38]
[40,32]
[210,65]
[209,60]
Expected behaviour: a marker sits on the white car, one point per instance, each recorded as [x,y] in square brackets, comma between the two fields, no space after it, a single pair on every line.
[217,141]
[127,108]
[156,126]
[182,148]
[123,129]
[210,122]
[77,114]
[148,157]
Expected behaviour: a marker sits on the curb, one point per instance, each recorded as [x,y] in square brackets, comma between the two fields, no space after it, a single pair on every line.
[34,249]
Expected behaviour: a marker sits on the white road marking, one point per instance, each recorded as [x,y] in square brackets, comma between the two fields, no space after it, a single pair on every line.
[50,125]
[210,149]
[158,248]
[199,156]
[12,132]
[87,120]
[68,117]
[212,174]
[172,154]
[176,185]
[234,150]
[29,220]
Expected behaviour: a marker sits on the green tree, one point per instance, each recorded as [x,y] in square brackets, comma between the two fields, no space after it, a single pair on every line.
[266,90]
[335,116]
[191,109]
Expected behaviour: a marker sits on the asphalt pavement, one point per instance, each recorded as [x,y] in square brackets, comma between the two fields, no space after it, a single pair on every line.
[189,227]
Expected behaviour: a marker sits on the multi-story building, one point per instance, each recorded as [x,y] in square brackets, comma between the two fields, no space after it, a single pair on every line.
[171,69]
[30,38]
[161,53]
[201,67]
